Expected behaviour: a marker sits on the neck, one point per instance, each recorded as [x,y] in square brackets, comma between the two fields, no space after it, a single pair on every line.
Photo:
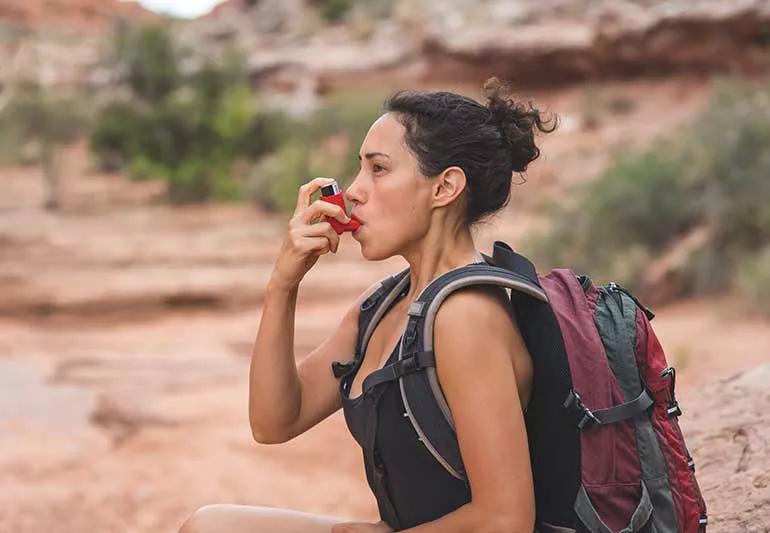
[437,253]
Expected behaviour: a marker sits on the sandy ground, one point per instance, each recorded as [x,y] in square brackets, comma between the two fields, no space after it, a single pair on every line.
[126,328]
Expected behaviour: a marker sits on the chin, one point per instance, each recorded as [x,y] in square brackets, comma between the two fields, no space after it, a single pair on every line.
[371,253]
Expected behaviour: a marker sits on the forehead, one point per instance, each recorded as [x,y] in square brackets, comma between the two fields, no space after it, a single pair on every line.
[385,135]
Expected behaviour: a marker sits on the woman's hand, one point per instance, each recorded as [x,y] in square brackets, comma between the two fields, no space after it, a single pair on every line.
[307,240]
[362,527]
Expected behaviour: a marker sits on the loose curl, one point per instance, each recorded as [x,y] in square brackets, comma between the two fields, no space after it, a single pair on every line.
[488,142]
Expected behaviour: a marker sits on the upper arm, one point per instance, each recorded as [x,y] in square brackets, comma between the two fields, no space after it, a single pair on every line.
[476,341]
[319,388]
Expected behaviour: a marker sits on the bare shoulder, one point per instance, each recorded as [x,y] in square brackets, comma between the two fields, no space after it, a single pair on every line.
[477,308]
[473,324]
[481,367]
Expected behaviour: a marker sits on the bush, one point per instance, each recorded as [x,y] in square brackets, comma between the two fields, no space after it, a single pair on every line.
[116,135]
[37,124]
[190,131]
[714,174]
[150,60]
[753,281]
[326,144]
[335,10]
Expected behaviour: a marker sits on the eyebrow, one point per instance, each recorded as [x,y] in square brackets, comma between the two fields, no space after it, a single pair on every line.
[370,155]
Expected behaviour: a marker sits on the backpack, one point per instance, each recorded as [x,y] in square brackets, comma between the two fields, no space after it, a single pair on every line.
[606,448]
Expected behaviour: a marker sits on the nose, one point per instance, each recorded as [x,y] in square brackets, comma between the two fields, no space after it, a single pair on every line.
[353,193]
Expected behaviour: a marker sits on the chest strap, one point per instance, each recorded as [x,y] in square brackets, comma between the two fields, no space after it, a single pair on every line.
[411,363]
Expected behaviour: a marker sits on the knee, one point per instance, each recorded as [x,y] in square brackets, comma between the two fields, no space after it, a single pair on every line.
[203,520]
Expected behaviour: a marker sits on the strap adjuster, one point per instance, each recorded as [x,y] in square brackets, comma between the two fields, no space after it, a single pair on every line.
[410,335]
[609,415]
[417,309]
[674,409]
[588,420]
[409,365]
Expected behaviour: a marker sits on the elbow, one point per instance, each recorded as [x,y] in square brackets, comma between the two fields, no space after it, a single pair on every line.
[265,436]
[511,524]
[507,522]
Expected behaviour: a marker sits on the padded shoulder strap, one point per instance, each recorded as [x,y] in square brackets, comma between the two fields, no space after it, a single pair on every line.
[423,311]
[369,315]
[377,305]
[424,401]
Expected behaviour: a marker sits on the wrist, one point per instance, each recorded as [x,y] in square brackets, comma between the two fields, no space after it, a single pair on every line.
[275,285]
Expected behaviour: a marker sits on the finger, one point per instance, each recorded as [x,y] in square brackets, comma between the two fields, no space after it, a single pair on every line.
[320,207]
[306,190]
[324,229]
[314,245]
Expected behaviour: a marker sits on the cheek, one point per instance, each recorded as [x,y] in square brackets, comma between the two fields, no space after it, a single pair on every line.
[395,228]
[406,216]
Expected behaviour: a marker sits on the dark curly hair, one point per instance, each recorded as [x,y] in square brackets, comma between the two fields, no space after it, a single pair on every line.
[489,142]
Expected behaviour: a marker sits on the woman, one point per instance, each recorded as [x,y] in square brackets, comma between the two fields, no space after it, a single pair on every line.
[432,166]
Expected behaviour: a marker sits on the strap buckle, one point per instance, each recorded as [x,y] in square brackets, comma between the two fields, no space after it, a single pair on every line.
[341,369]
[588,421]
[673,408]
[408,365]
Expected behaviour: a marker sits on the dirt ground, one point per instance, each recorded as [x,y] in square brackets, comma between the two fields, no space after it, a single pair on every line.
[126,328]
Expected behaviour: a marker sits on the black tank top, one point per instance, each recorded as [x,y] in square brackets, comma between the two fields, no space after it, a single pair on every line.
[410,485]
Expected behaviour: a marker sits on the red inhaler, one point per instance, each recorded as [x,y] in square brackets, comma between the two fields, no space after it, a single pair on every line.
[331,193]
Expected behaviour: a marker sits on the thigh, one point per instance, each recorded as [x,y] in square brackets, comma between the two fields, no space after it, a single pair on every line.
[254,519]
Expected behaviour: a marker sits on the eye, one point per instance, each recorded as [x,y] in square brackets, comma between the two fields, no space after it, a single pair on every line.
[377,168]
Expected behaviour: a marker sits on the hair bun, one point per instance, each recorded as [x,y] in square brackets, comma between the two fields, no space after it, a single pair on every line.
[517,122]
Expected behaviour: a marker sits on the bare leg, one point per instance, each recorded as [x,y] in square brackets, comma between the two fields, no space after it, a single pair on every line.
[252,519]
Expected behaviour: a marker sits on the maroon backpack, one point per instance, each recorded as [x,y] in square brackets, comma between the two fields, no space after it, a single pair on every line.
[607,451]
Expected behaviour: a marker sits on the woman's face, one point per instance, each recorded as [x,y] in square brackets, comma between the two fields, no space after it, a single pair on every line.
[389,195]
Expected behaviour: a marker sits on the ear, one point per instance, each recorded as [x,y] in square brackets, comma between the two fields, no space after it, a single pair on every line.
[448,186]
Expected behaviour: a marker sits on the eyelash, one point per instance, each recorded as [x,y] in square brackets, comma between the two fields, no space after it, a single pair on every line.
[375,167]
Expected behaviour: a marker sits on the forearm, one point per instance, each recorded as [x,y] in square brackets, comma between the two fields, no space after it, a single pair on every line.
[274,386]
[474,519]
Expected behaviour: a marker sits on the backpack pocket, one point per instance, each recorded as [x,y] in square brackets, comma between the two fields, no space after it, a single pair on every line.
[591,522]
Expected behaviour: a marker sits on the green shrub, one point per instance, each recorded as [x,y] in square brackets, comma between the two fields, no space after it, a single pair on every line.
[335,10]
[753,281]
[712,174]
[150,60]
[190,131]
[325,144]
[116,135]
[290,171]
[36,124]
